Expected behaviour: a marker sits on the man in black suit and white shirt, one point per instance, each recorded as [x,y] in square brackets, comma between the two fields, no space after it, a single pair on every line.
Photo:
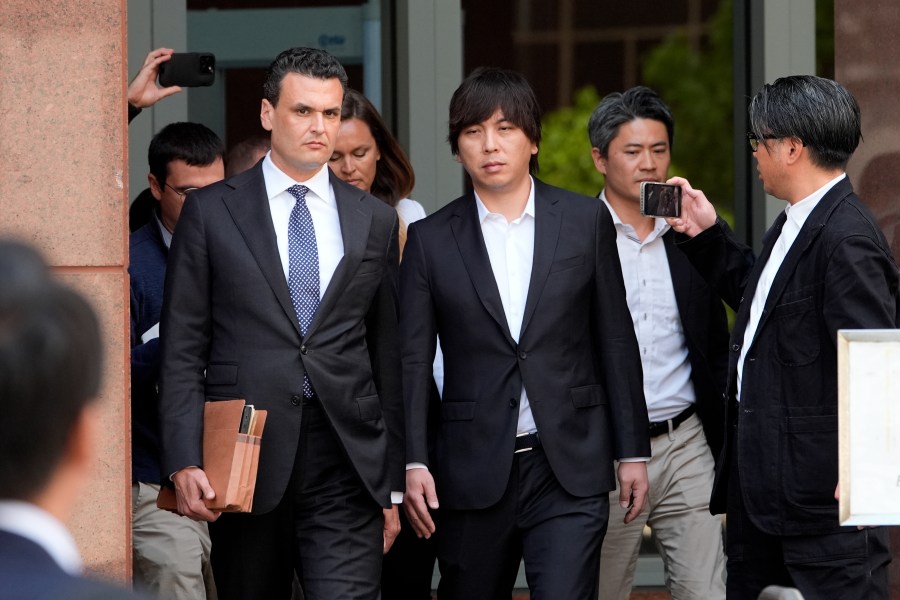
[824,266]
[50,369]
[542,387]
[281,289]
[683,337]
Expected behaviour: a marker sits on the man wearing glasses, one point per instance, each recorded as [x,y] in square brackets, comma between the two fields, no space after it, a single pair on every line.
[824,266]
[171,553]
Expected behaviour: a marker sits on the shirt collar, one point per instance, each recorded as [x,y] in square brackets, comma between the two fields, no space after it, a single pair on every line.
[483,211]
[165,233]
[37,525]
[277,181]
[800,211]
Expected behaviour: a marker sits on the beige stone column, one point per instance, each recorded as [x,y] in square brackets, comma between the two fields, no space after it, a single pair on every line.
[62,169]
[867,62]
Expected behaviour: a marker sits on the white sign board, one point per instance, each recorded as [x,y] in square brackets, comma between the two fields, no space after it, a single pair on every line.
[869,426]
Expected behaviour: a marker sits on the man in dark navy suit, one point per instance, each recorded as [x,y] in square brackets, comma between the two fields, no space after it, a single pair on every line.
[50,359]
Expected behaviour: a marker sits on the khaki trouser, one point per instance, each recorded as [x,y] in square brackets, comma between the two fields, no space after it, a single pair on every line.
[171,553]
[689,539]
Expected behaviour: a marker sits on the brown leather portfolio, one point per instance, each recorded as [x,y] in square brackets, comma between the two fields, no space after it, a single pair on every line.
[230,458]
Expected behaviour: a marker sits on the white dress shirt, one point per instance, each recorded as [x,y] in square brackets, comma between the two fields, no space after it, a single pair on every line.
[510,247]
[796,217]
[650,293]
[30,522]
[322,208]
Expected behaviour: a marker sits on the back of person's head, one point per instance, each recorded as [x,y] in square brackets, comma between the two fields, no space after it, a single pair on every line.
[394,176]
[616,109]
[310,62]
[819,112]
[50,366]
[246,153]
[194,144]
[488,89]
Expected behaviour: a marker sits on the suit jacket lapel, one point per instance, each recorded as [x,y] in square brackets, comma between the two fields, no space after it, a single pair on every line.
[743,314]
[248,204]
[811,229]
[547,221]
[470,241]
[356,220]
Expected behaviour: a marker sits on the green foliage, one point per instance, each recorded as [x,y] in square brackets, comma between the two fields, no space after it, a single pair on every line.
[565,156]
[697,86]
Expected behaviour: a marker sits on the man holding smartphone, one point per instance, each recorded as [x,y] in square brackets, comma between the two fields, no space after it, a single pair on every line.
[682,332]
[824,266]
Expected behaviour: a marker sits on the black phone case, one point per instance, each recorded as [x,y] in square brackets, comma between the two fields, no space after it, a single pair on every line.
[189,69]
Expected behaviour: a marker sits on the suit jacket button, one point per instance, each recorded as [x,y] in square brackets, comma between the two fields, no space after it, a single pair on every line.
[513,402]
[303,350]
[735,347]
[523,355]
[296,399]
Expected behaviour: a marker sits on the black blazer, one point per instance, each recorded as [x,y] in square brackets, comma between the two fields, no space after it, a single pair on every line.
[229,330]
[838,274]
[28,572]
[705,328]
[577,355]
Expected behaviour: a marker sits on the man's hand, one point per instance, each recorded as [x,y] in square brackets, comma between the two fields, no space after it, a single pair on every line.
[419,497]
[191,488]
[143,91]
[391,526]
[633,488]
[697,213]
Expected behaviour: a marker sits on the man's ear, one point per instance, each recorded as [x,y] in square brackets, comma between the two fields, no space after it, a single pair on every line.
[265,110]
[795,148]
[155,188]
[599,160]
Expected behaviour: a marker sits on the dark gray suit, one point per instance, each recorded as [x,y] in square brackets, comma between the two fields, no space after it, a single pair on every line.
[229,330]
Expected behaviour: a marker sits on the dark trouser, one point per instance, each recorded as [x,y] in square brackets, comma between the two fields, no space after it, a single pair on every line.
[408,566]
[558,534]
[847,564]
[327,528]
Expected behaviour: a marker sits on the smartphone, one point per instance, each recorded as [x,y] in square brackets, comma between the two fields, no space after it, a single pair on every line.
[188,69]
[660,199]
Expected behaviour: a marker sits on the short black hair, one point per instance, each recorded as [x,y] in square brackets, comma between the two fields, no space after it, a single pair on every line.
[310,62]
[195,144]
[616,109]
[488,89]
[50,366]
[819,112]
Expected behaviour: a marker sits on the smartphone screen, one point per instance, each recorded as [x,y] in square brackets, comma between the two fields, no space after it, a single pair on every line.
[660,199]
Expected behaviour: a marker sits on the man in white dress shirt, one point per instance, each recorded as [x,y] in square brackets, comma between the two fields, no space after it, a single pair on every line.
[50,367]
[682,332]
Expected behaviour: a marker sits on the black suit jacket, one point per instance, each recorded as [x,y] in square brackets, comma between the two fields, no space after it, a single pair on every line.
[28,572]
[838,274]
[705,327]
[229,330]
[577,356]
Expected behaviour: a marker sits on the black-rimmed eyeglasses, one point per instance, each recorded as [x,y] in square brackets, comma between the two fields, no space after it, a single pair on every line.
[754,139]
[182,192]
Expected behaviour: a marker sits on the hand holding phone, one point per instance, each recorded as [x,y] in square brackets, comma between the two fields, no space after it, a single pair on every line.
[660,199]
[188,69]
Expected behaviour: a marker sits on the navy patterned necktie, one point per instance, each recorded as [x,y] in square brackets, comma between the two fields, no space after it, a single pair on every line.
[303,265]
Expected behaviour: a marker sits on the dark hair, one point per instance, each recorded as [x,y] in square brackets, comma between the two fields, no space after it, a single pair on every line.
[243,155]
[310,62]
[50,365]
[394,177]
[195,144]
[616,109]
[819,112]
[488,89]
